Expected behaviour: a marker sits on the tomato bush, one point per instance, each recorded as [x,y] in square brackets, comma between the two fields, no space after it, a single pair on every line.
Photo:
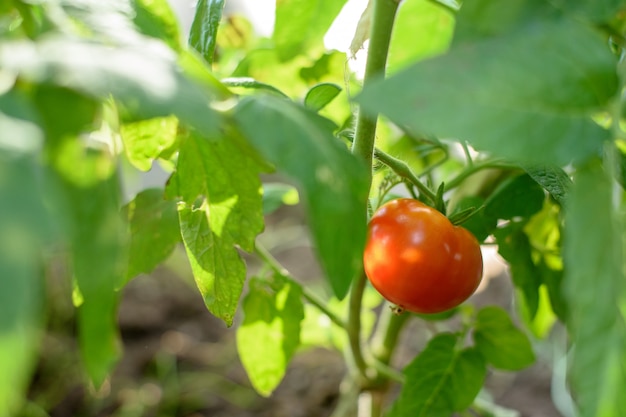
[418,260]
[510,114]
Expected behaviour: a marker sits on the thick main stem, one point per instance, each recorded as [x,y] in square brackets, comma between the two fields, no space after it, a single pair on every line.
[383,15]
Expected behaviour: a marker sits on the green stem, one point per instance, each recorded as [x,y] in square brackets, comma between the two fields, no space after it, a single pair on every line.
[354,326]
[403,170]
[387,332]
[383,15]
[311,297]
[474,168]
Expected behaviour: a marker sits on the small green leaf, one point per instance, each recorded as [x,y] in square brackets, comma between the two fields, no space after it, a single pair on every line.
[320,95]
[501,343]
[219,185]
[441,380]
[145,140]
[552,179]
[203,34]
[520,196]
[512,95]
[276,194]
[593,286]
[333,182]
[270,332]
[301,24]
[154,230]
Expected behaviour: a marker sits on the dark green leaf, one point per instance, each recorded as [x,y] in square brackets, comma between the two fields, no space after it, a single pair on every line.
[553,179]
[333,182]
[270,332]
[98,240]
[553,279]
[479,224]
[501,343]
[203,35]
[156,18]
[519,196]
[441,380]
[276,194]
[225,180]
[514,247]
[100,71]
[24,223]
[480,19]
[301,24]
[527,96]
[145,140]
[154,230]
[320,95]
[594,286]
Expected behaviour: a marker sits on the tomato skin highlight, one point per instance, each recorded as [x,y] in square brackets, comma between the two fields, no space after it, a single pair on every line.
[417,259]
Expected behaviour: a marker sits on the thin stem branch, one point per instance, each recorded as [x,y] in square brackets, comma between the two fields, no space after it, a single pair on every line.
[311,297]
[403,170]
[472,169]
[354,325]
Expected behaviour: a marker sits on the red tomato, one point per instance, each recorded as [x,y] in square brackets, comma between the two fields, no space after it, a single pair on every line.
[420,261]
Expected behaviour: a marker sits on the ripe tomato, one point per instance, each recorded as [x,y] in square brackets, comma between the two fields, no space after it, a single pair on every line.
[418,260]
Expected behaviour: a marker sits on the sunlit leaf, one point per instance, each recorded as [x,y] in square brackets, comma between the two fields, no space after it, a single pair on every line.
[301,24]
[441,380]
[144,140]
[157,19]
[221,190]
[270,332]
[501,343]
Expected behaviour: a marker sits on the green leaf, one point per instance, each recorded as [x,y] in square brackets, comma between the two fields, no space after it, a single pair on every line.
[597,11]
[156,18]
[203,34]
[270,332]
[25,224]
[301,24]
[154,230]
[221,210]
[514,247]
[99,71]
[519,196]
[276,194]
[421,30]
[333,182]
[594,287]
[145,140]
[552,179]
[320,95]
[501,343]
[479,224]
[480,19]
[441,380]
[99,250]
[512,95]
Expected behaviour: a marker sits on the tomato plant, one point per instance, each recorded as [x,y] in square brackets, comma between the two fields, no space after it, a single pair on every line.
[509,114]
[418,260]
